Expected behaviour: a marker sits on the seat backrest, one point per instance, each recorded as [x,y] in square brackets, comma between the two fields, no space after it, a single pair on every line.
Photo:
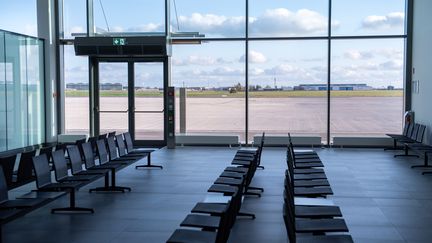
[111,134]
[289,225]
[406,129]
[60,164]
[121,145]
[42,170]
[3,186]
[92,141]
[75,159]
[415,131]
[61,147]
[79,144]
[8,164]
[260,149]
[25,167]
[290,162]
[420,133]
[289,193]
[228,217]
[47,151]
[102,152]
[112,148]
[103,136]
[129,142]
[89,158]
[410,130]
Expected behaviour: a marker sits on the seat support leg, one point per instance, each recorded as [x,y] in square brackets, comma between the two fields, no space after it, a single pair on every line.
[113,187]
[149,165]
[72,207]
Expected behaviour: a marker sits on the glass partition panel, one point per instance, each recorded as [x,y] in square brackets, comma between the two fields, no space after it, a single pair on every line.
[76,92]
[213,75]
[369,17]
[35,78]
[3,145]
[16,91]
[129,16]
[222,18]
[280,18]
[288,88]
[367,87]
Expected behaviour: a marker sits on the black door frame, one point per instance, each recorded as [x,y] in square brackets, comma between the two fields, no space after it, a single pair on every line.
[95,101]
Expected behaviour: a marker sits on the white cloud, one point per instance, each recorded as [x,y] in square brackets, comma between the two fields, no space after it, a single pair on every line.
[292,73]
[254,57]
[256,71]
[358,55]
[279,21]
[77,29]
[282,69]
[211,74]
[282,21]
[151,27]
[395,19]
[392,65]
[211,24]
[199,60]
[390,53]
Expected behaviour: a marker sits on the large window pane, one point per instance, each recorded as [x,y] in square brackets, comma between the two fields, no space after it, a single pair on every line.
[76,93]
[222,18]
[2,94]
[369,17]
[19,16]
[367,83]
[35,80]
[74,17]
[287,87]
[213,74]
[138,16]
[16,88]
[280,18]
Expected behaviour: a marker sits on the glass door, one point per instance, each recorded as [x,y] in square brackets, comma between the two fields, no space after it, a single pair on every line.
[130,97]
[149,101]
[113,97]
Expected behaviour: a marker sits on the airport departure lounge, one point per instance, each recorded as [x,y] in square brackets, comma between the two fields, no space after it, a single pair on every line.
[213,121]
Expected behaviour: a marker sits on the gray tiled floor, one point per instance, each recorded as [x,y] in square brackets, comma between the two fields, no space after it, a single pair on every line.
[382,200]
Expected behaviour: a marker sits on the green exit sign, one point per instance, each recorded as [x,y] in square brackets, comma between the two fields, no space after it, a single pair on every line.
[119,41]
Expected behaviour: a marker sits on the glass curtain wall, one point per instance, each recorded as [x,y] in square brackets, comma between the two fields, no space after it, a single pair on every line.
[281,97]
[302,73]
[76,79]
[75,71]
[129,16]
[367,70]
[22,91]
[3,134]
[213,75]
[291,68]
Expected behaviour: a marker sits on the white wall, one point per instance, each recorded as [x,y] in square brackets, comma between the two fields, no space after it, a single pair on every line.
[422,63]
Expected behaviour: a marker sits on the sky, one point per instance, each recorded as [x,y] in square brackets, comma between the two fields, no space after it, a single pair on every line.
[378,63]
